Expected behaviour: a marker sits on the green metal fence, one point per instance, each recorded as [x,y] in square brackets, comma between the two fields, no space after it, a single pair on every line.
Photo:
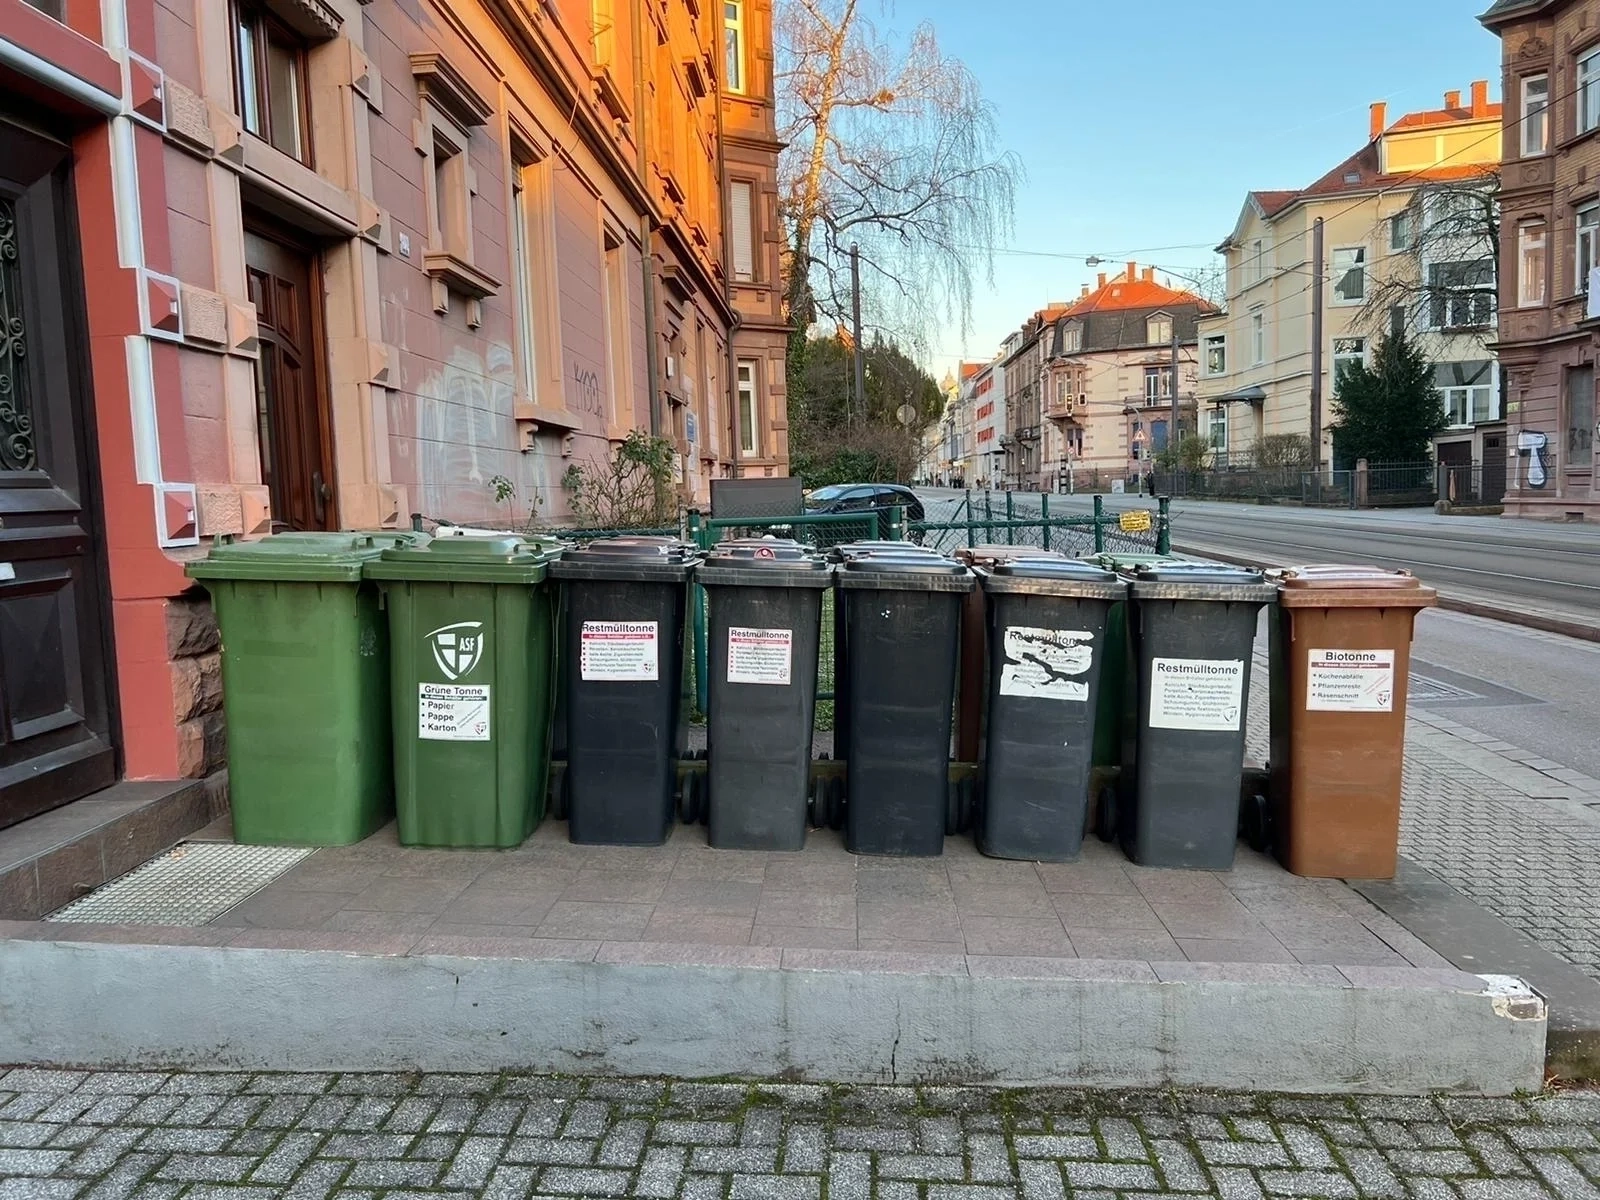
[1026,519]
[1016,523]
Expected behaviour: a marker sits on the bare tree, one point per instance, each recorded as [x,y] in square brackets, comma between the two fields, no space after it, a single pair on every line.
[890,145]
[1440,277]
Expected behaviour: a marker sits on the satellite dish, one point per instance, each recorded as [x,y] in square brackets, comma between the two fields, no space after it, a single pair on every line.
[906,415]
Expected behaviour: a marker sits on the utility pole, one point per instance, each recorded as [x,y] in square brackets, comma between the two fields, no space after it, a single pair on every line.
[860,402]
[1172,435]
[1316,351]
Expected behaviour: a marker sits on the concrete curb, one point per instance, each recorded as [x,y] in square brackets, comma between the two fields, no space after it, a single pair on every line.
[1474,939]
[1529,619]
[834,1016]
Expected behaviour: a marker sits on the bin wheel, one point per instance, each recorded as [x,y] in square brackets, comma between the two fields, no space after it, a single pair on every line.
[1257,821]
[840,797]
[1106,814]
[556,799]
[691,797]
[817,803]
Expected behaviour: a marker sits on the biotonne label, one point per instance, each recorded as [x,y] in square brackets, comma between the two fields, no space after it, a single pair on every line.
[1350,681]
[453,712]
[1047,664]
[1197,693]
[619,651]
[760,655]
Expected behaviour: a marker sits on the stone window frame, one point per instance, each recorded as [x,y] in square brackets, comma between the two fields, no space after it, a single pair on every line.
[449,109]
[616,322]
[540,396]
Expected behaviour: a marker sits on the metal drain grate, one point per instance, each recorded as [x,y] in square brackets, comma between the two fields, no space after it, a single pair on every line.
[1427,690]
[191,884]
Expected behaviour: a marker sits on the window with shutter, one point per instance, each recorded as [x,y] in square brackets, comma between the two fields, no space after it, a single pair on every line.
[744,249]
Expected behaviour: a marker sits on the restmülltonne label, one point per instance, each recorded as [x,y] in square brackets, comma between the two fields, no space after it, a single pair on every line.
[1200,694]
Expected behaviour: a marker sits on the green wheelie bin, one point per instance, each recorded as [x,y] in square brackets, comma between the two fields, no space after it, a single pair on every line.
[305,685]
[473,642]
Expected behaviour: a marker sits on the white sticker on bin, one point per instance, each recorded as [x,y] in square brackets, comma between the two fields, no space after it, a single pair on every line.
[1350,681]
[619,652]
[453,712]
[1203,694]
[1046,664]
[760,655]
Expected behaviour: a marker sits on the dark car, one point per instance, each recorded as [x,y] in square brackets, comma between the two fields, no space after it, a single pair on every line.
[865,498]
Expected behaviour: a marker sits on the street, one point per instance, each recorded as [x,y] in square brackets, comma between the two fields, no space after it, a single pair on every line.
[1527,687]
[1550,566]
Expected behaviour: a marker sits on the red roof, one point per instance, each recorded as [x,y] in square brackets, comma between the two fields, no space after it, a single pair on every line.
[1360,173]
[1273,203]
[969,369]
[1133,290]
[1445,116]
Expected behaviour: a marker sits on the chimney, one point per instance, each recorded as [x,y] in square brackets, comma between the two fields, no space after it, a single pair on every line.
[1084,295]
[1102,279]
[1133,271]
[1452,99]
[1380,120]
[1149,274]
[1480,97]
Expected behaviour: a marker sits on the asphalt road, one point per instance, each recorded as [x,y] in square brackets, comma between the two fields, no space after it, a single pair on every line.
[1535,690]
[1532,563]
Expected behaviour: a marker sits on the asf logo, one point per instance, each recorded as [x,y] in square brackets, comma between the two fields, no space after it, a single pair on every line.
[457,648]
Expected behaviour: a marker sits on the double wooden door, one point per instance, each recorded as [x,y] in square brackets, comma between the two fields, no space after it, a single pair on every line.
[56,721]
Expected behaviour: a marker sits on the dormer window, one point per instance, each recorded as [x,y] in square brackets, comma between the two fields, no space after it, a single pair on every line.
[1158,330]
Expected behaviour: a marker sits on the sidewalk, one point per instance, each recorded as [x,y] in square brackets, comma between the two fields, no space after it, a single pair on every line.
[160,1136]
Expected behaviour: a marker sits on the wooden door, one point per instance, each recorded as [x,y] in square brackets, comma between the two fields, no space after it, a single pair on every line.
[1494,468]
[291,389]
[55,698]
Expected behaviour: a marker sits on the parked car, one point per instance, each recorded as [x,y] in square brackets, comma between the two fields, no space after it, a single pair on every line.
[864,498]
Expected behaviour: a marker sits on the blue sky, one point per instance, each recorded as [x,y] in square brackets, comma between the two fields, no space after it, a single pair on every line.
[1143,125]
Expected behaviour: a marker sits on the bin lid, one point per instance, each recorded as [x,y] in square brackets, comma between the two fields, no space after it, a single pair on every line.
[763,562]
[1055,577]
[300,556]
[907,571]
[548,543]
[642,559]
[1342,585]
[1118,560]
[478,558]
[1201,581]
[991,555]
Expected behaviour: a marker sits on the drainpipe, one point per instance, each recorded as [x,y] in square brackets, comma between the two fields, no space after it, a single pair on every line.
[727,292]
[647,254]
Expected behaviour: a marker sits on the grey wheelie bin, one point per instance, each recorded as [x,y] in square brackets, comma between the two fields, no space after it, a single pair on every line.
[1047,645]
[625,600]
[764,621]
[903,623]
[1193,627]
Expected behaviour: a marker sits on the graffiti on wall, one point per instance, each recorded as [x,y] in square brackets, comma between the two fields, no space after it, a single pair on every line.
[453,438]
[586,396]
[1533,458]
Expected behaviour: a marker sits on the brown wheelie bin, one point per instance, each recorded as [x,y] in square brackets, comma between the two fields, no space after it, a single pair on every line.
[1341,657]
[973,685]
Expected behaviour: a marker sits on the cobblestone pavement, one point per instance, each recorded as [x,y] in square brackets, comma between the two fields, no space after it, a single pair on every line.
[1514,832]
[158,1136]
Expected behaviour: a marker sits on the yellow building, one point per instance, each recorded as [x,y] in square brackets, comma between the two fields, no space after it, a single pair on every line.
[1386,262]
